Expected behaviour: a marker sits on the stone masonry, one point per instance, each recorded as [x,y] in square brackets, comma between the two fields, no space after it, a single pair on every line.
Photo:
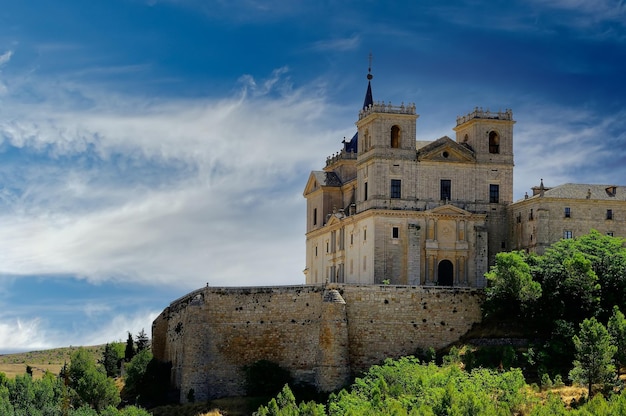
[322,334]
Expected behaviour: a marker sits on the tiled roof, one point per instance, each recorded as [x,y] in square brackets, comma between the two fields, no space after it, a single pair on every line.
[586,191]
[327,178]
[443,141]
[353,145]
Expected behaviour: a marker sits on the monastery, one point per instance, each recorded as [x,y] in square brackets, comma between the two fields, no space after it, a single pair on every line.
[399,236]
[388,208]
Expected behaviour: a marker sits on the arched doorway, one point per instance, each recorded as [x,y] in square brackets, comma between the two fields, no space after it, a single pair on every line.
[445,273]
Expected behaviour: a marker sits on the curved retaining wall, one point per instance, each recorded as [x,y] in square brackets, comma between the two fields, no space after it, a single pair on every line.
[323,334]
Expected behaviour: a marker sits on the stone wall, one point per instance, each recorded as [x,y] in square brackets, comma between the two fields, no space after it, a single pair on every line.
[322,334]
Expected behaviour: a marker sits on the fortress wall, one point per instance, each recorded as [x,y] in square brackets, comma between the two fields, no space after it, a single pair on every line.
[393,321]
[211,334]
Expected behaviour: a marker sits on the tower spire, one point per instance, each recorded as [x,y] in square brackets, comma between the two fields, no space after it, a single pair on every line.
[368,94]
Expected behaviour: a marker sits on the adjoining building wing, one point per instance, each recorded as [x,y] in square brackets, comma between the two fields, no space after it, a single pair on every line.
[566,211]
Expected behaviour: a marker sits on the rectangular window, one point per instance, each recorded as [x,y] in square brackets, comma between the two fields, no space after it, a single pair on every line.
[568,212]
[315,251]
[314,216]
[351,239]
[364,263]
[494,194]
[365,191]
[610,233]
[364,235]
[519,217]
[609,214]
[530,216]
[446,189]
[396,188]
[395,232]
[567,234]
[342,233]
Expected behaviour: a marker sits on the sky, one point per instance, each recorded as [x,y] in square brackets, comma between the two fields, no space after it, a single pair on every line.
[151,147]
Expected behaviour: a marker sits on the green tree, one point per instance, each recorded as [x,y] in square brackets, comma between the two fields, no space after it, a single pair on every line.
[129,352]
[90,383]
[582,277]
[112,358]
[135,372]
[617,328]
[512,290]
[594,355]
[142,341]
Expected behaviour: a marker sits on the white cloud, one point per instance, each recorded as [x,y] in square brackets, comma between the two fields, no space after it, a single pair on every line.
[23,335]
[563,145]
[181,193]
[338,44]
[17,334]
[5,57]
[118,327]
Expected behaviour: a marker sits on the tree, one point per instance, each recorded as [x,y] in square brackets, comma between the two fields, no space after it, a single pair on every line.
[594,355]
[91,384]
[617,328]
[512,290]
[129,352]
[582,277]
[135,371]
[112,357]
[142,341]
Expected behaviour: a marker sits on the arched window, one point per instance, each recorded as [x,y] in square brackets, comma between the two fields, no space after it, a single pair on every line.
[494,142]
[395,137]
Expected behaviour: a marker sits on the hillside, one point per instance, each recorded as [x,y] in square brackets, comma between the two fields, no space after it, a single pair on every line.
[51,360]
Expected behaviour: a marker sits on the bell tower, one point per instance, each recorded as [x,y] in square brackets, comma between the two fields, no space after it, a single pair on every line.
[386,153]
[489,134]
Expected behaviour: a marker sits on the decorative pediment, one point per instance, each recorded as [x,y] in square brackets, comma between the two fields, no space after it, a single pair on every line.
[318,179]
[449,209]
[446,150]
[334,218]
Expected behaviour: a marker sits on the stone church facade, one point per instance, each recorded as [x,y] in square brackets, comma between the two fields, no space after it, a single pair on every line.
[388,208]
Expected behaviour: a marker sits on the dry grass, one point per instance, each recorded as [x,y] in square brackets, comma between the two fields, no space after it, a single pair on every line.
[51,360]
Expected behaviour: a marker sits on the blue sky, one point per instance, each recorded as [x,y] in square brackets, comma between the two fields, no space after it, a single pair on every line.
[149,147]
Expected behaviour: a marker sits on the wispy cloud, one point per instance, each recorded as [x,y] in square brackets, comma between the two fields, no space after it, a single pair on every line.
[338,44]
[37,334]
[21,335]
[5,57]
[192,191]
[561,144]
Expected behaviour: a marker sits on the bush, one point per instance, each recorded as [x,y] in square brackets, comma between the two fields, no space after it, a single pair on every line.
[265,378]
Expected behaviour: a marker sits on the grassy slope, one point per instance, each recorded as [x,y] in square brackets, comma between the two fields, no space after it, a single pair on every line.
[51,360]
